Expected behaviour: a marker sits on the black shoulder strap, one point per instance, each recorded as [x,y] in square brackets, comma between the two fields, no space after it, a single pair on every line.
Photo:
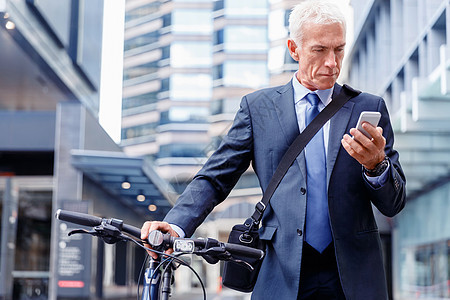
[297,146]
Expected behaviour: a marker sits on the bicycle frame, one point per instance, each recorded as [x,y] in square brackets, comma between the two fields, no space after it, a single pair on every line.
[154,281]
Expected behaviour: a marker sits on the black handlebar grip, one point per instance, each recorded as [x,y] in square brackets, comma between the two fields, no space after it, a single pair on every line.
[134,231]
[92,221]
[78,218]
[244,251]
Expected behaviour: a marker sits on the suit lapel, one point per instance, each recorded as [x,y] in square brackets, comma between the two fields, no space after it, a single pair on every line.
[338,126]
[284,105]
[285,108]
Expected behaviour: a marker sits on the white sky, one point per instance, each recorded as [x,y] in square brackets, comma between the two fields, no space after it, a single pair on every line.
[112,68]
[112,63]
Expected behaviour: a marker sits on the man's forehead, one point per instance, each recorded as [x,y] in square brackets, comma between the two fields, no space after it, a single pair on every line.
[327,45]
[329,35]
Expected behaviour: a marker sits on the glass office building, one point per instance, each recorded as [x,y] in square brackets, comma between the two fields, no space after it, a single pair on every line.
[168,85]
[184,79]
[401,52]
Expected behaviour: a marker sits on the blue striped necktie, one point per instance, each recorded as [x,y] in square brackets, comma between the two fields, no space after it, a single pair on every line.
[318,232]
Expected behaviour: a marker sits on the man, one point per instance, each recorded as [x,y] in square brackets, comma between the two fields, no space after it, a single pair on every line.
[322,241]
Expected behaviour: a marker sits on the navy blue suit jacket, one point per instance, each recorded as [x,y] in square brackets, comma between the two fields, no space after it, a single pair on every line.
[263,129]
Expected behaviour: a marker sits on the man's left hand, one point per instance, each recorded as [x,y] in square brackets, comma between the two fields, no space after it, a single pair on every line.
[368,152]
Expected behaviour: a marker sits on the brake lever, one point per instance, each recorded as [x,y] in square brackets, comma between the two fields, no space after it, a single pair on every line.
[108,233]
[242,262]
[83,231]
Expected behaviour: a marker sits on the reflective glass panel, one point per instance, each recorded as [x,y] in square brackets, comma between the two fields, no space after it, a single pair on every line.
[139,130]
[422,246]
[185,114]
[245,39]
[141,11]
[192,21]
[33,231]
[191,87]
[191,54]
[182,150]
[247,8]
[253,74]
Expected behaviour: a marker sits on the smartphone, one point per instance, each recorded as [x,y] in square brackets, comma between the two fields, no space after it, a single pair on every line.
[372,117]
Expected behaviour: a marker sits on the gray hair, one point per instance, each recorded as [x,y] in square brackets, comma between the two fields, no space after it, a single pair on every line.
[316,12]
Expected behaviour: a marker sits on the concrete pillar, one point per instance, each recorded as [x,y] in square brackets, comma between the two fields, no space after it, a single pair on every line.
[8,239]
[67,194]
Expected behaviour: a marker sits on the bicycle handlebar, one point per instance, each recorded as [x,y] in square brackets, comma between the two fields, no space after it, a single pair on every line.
[92,221]
[158,239]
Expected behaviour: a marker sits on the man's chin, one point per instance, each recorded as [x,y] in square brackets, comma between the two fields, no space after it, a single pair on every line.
[326,83]
[326,86]
[321,84]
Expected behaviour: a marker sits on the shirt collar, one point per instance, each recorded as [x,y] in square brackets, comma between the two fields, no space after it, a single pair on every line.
[300,92]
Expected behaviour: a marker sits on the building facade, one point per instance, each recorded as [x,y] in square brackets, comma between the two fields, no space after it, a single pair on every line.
[54,154]
[168,85]
[401,53]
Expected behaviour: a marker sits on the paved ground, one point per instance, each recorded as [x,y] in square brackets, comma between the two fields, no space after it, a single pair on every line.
[223,295]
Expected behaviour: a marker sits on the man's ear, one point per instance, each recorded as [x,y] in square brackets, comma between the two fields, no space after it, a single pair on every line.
[292,47]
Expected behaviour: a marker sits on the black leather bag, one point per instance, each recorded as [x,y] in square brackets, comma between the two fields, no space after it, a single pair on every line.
[241,274]
[238,276]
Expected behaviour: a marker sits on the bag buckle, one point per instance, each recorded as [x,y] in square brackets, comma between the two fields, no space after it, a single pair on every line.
[260,207]
[250,222]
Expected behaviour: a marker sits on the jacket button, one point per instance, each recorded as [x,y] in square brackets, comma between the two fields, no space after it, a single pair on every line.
[303,190]
[299,232]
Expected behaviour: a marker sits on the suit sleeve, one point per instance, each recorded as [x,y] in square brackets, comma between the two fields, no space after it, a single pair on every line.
[219,175]
[390,197]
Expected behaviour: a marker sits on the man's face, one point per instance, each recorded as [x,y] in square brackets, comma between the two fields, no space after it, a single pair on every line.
[320,55]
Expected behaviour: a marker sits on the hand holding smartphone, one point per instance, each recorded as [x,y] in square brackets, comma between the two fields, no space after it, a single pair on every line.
[372,117]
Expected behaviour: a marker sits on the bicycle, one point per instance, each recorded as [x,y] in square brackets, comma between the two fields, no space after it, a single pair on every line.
[158,276]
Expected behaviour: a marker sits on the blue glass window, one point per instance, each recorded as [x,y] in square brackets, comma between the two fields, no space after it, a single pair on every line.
[141,11]
[185,114]
[140,70]
[218,37]
[141,40]
[218,72]
[139,100]
[139,130]
[218,5]
[167,20]
[182,150]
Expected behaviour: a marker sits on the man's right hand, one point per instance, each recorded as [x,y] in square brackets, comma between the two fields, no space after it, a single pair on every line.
[156,225]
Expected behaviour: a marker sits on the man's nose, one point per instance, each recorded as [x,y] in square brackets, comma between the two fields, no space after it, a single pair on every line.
[331,60]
